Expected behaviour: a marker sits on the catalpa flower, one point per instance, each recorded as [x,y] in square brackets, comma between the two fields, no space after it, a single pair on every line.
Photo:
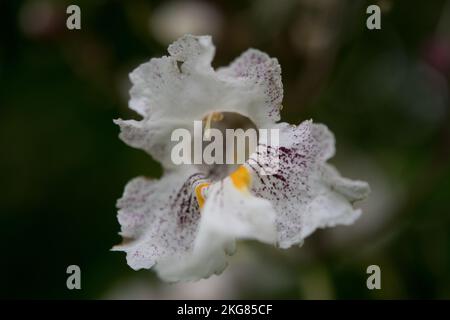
[185,224]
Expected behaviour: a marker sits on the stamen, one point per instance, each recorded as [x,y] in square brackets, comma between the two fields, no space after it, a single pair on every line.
[207,126]
[213,116]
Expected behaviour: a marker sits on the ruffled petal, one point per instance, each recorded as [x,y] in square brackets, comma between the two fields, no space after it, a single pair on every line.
[195,53]
[158,218]
[194,265]
[173,91]
[256,70]
[306,193]
[164,226]
[229,214]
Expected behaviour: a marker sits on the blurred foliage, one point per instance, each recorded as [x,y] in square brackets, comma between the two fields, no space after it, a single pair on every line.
[384,93]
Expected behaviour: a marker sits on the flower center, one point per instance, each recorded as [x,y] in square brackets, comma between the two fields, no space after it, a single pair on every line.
[230,138]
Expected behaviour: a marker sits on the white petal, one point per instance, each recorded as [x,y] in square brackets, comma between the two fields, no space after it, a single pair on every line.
[333,202]
[353,190]
[151,136]
[233,213]
[306,193]
[196,53]
[159,218]
[171,92]
[228,214]
[193,266]
[263,74]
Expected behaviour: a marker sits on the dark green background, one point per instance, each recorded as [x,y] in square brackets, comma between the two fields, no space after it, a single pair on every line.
[384,94]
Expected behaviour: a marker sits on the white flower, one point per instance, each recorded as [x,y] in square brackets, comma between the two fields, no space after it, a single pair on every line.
[186,223]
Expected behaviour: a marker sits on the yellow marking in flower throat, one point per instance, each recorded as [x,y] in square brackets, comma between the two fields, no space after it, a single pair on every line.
[241,178]
[199,195]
